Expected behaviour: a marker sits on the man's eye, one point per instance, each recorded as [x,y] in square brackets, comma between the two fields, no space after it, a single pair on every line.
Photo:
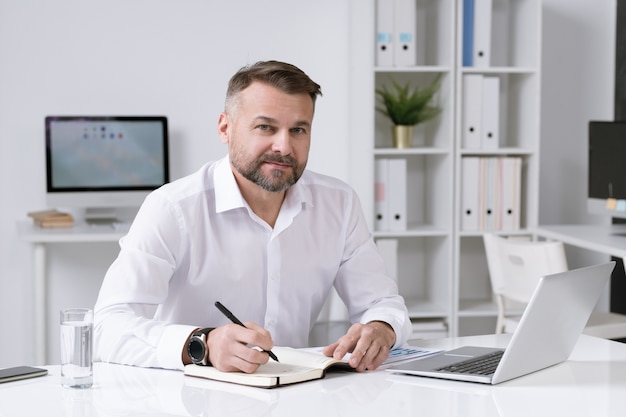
[297,130]
[264,127]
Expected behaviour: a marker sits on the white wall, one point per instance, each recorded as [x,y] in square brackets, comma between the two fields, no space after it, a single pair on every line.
[139,57]
[175,57]
[577,86]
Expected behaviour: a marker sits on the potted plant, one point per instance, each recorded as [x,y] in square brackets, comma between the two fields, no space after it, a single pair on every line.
[406,107]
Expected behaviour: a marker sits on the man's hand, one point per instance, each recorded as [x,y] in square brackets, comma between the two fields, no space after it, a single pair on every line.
[369,344]
[229,349]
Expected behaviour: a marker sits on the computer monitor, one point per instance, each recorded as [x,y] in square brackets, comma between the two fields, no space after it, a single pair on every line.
[607,169]
[104,163]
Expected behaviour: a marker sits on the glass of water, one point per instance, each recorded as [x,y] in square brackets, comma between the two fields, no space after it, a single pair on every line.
[76,347]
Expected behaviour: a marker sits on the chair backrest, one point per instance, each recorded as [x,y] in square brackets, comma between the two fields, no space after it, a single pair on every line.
[516,265]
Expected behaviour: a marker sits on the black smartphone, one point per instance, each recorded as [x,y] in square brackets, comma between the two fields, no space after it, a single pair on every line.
[21,372]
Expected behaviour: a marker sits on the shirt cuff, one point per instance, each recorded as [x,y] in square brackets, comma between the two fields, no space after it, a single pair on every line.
[171,345]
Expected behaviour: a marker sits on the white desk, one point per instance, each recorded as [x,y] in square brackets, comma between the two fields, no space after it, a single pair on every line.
[591,383]
[80,233]
[594,237]
[605,239]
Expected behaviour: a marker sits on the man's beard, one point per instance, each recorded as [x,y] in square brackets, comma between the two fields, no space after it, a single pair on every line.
[278,180]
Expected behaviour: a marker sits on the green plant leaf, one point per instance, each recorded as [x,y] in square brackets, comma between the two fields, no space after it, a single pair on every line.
[404,105]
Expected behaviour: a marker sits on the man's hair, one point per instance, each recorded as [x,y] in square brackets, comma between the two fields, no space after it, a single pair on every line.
[286,77]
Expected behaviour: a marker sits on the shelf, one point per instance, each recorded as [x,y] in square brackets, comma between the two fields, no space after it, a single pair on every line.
[497,152]
[424,308]
[416,231]
[477,308]
[482,308]
[416,69]
[410,151]
[520,232]
[498,70]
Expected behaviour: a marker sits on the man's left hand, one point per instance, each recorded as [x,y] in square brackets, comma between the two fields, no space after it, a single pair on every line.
[369,343]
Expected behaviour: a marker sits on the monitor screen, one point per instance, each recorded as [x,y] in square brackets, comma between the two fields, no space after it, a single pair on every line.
[104,161]
[606,192]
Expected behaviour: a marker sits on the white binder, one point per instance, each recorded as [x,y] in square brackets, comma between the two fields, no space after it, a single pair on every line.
[490,128]
[470,193]
[511,193]
[404,27]
[488,194]
[472,113]
[384,33]
[397,186]
[482,33]
[381,194]
[422,35]
[468,33]
[388,249]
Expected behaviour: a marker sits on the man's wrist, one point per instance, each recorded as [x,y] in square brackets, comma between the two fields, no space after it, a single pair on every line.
[196,349]
[385,327]
[185,353]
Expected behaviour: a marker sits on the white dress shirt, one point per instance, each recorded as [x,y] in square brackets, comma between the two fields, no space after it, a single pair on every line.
[196,241]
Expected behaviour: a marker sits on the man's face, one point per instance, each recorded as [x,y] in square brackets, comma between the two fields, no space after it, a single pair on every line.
[268,136]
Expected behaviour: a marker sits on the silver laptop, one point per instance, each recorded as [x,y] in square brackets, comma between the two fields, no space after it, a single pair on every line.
[548,330]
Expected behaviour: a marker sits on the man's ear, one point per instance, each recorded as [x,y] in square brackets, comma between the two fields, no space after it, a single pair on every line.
[223,124]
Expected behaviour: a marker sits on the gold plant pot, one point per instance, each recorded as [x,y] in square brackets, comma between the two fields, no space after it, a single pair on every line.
[402,136]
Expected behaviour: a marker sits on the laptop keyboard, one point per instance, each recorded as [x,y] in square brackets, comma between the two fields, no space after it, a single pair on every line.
[481,365]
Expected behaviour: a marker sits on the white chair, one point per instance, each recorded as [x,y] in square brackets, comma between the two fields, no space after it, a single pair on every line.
[515,266]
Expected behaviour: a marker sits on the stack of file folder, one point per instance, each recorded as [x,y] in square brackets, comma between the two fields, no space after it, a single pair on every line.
[491,193]
[390,190]
[480,112]
[396,38]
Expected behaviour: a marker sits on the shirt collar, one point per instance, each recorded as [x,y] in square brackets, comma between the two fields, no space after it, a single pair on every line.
[228,196]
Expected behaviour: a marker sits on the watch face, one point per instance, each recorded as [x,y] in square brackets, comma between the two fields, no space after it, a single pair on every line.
[197,350]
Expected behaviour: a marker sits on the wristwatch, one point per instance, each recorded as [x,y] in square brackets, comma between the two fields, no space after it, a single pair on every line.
[197,347]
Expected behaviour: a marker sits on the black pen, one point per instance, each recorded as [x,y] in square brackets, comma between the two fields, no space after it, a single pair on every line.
[235,320]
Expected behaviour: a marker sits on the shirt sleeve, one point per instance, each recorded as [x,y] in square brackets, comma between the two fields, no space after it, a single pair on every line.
[362,283]
[125,330]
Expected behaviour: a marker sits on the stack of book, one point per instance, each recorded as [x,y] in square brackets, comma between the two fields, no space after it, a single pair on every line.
[428,328]
[52,218]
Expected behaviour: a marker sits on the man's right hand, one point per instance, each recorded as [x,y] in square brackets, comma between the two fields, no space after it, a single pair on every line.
[230,351]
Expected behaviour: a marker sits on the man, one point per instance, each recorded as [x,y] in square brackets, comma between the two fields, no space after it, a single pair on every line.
[260,234]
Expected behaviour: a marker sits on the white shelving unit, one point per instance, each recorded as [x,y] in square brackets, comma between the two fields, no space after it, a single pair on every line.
[442,270]
[516,60]
[425,273]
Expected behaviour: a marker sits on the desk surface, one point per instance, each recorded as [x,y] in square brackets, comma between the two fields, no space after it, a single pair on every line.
[591,383]
[609,239]
[80,232]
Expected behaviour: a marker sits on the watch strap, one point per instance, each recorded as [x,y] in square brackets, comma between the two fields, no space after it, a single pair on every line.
[205,331]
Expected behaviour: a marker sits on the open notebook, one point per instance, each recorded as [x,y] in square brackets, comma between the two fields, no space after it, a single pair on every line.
[296,365]
[547,333]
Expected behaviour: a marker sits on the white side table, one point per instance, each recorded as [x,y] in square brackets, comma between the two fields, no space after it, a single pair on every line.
[39,238]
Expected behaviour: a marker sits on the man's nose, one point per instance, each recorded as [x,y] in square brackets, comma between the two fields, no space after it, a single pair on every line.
[282,142]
